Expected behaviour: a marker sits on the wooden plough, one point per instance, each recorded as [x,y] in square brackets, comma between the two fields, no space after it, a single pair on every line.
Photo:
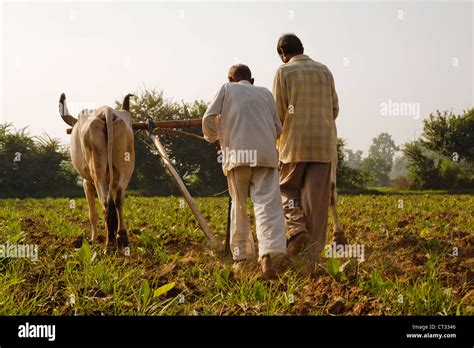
[157,125]
[171,125]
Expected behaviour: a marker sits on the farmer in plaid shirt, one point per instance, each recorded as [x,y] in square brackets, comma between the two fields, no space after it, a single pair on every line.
[307,105]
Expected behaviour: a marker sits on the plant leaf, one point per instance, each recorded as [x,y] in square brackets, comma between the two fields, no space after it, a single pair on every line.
[333,267]
[225,274]
[85,253]
[163,289]
[144,291]
[259,292]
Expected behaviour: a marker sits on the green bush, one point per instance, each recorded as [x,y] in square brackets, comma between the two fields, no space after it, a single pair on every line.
[430,170]
[34,167]
[348,177]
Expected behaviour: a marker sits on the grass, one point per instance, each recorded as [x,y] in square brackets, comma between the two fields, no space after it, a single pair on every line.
[418,261]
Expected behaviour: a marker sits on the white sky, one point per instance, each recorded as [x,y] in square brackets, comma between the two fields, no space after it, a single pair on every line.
[96,52]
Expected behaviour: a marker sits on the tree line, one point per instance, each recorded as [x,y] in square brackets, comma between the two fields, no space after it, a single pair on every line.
[442,158]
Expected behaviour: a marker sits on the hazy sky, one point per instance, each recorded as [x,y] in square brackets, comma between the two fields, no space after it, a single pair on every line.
[379,52]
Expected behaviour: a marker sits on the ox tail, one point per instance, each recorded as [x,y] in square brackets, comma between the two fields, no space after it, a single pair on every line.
[111,215]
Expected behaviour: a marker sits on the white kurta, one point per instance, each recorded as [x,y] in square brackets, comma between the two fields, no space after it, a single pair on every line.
[243,118]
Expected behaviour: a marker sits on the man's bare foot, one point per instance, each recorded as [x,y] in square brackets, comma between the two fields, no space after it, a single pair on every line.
[268,270]
[298,244]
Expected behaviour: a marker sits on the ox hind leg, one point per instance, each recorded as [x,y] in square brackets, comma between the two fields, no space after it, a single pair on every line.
[89,190]
[339,237]
[109,212]
[122,235]
[124,161]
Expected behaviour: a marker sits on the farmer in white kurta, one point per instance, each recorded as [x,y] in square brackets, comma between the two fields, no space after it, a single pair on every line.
[243,119]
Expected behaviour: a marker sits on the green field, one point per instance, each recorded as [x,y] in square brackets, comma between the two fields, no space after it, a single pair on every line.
[418,261]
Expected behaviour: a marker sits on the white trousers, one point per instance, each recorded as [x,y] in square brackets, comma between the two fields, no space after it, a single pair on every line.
[264,186]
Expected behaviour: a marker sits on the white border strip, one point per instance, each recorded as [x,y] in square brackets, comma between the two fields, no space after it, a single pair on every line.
[239,1]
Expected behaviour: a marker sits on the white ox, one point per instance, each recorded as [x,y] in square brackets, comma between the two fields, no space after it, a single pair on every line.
[103,154]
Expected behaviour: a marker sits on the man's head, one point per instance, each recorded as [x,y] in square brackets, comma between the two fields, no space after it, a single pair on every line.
[289,45]
[240,72]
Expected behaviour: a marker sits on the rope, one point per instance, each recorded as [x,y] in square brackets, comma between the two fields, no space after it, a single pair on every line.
[152,128]
[207,195]
[190,190]
[181,132]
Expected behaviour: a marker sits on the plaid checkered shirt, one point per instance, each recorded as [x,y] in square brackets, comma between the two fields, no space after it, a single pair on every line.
[307,105]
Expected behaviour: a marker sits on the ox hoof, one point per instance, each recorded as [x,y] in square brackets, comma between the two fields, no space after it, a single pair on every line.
[77,243]
[339,238]
[122,239]
[110,247]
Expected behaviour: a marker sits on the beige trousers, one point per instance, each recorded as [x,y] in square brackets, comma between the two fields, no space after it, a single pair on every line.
[305,189]
[266,197]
